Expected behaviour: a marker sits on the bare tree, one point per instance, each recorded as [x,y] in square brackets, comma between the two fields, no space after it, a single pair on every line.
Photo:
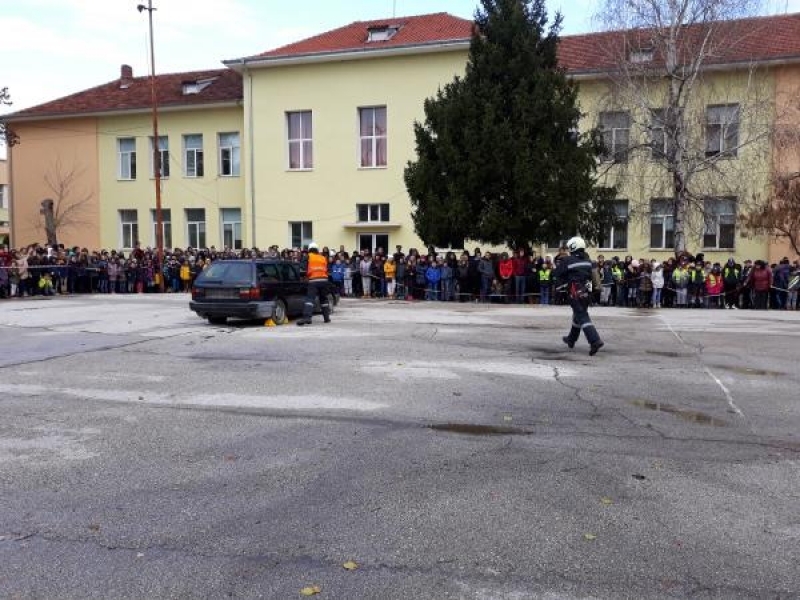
[703,131]
[780,216]
[69,206]
[6,135]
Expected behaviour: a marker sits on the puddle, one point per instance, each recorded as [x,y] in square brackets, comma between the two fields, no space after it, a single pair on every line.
[469,429]
[749,371]
[687,415]
[667,353]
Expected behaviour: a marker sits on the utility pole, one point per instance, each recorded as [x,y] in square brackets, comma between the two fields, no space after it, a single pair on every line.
[156,148]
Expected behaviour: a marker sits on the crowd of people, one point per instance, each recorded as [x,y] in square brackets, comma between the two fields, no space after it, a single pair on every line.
[684,281]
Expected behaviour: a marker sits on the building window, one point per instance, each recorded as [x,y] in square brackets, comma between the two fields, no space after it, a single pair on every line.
[163,156]
[662,223]
[229,153]
[372,213]
[301,147]
[126,151]
[615,235]
[3,196]
[166,226]
[719,223]
[129,226]
[373,136]
[381,33]
[722,130]
[615,127]
[231,228]
[659,147]
[196,227]
[373,241]
[300,234]
[193,155]
[641,55]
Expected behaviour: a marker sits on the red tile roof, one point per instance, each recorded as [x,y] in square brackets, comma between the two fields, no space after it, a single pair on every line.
[743,40]
[134,94]
[413,31]
[756,39]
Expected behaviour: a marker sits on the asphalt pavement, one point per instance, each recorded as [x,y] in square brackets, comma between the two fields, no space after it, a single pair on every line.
[405,450]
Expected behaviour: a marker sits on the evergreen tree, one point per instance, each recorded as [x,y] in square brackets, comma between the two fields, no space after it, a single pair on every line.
[499,159]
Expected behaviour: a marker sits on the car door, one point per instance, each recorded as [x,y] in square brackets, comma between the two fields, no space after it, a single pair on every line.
[269,280]
[294,287]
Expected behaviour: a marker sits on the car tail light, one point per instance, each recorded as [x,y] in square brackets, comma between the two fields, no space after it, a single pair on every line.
[198,292]
[250,293]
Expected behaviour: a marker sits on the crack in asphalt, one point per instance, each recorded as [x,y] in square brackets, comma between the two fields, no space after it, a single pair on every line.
[449,567]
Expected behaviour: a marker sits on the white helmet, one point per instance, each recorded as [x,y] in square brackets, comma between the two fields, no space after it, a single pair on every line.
[313,246]
[576,243]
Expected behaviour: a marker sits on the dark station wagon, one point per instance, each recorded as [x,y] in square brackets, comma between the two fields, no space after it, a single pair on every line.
[250,289]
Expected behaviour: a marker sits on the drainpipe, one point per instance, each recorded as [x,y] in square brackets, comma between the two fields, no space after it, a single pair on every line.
[251,161]
[11,233]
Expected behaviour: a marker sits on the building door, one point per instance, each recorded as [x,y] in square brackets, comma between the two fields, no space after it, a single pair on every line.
[373,241]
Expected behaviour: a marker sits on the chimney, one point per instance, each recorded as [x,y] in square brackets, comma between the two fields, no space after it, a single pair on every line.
[125,76]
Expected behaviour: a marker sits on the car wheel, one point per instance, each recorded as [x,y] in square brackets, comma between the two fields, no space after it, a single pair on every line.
[279,314]
[218,320]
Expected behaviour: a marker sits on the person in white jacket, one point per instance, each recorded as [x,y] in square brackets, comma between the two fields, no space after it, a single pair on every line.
[657,277]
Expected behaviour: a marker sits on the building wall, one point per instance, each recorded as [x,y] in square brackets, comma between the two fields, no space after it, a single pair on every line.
[210,192]
[327,195]
[55,149]
[641,178]
[5,228]
[786,148]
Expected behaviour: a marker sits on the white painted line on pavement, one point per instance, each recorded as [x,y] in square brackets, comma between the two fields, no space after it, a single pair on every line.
[724,389]
[277,402]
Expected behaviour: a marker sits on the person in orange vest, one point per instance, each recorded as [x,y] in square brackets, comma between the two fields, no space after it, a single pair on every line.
[317,272]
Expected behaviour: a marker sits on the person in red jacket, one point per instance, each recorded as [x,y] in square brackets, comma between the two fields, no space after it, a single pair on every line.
[505,269]
[760,281]
[519,264]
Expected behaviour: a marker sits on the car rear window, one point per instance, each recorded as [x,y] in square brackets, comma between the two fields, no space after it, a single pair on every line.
[233,272]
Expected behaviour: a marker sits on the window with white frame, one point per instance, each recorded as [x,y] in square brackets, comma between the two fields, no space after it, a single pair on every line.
[372,213]
[166,226]
[163,156]
[372,135]
[229,154]
[129,227]
[301,234]
[719,223]
[381,33]
[301,146]
[126,161]
[615,235]
[193,155]
[615,128]
[662,223]
[660,144]
[722,129]
[3,196]
[196,227]
[231,228]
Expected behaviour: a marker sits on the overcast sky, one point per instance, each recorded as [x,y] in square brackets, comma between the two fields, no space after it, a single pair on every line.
[56,47]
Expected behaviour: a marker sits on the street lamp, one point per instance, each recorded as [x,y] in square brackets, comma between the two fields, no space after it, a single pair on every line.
[156,148]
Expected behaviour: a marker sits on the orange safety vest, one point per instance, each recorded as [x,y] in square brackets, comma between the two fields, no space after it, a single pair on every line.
[317,266]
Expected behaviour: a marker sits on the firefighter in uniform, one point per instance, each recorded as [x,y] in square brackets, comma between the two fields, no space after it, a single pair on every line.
[574,272]
[317,286]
